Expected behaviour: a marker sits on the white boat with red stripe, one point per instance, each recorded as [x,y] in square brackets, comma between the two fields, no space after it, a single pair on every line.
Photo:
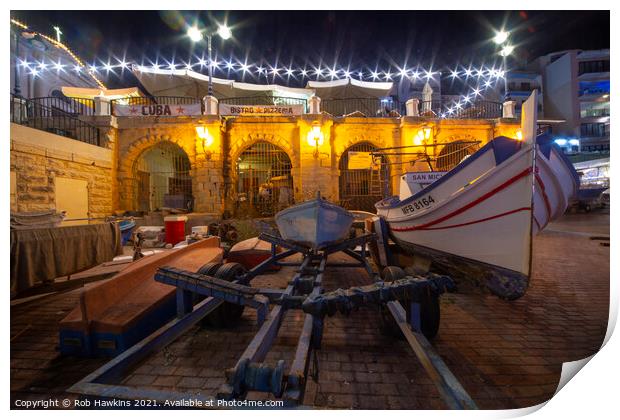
[476,222]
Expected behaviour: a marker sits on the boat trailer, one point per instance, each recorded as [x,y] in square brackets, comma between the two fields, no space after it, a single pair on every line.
[225,291]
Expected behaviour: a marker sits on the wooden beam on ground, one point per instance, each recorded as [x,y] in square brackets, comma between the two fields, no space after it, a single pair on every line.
[452,392]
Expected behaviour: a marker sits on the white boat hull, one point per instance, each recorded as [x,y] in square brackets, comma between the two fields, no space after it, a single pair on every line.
[314,224]
[477,221]
[556,184]
[477,218]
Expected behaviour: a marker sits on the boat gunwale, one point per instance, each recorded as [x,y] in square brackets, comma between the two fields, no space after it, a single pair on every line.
[455,195]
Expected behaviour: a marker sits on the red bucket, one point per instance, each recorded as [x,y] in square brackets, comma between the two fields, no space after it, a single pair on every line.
[175,229]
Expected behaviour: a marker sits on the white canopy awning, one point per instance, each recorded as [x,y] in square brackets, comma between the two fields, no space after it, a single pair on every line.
[90,93]
[190,83]
[350,88]
[193,84]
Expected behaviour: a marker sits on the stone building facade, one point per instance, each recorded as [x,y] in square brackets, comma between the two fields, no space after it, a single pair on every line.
[111,175]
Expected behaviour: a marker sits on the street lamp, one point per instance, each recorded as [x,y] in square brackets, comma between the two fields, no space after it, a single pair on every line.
[501,39]
[196,35]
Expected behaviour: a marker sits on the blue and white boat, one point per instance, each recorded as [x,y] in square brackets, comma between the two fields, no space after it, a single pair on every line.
[315,223]
[476,222]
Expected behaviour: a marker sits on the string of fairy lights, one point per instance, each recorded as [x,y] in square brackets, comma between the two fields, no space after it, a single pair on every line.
[478,79]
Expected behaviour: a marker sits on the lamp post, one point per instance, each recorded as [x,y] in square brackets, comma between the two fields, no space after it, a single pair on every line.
[196,35]
[501,39]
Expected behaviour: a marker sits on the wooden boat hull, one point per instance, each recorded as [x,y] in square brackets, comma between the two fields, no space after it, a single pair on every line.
[556,184]
[315,223]
[475,222]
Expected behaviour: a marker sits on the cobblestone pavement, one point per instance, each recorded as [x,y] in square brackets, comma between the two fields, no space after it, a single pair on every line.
[506,354]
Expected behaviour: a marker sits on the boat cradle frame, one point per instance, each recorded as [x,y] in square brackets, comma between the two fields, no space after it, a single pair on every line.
[250,373]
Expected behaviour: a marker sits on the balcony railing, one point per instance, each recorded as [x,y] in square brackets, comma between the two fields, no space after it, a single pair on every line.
[473,110]
[157,100]
[33,114]
[72,106]
[266,100]
[370,107]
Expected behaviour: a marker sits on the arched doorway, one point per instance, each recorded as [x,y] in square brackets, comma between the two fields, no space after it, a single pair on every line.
[264,183]
[364,180]
[162,178]
[453,153]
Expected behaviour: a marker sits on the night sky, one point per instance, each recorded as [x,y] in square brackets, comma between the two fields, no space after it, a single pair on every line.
[382,40]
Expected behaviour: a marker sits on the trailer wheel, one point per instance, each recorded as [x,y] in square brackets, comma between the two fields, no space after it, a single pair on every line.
[389,327]
[430,314]
[392,273]
[429,309]
[227,315]
[209,269]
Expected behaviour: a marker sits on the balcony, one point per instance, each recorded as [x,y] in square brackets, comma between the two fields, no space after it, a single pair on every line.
[56,116]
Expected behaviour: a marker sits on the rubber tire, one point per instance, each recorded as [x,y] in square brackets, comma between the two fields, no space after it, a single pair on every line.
[430,313]
[227,315]
[209,269]
[388,325]
[429,309]
[392,273]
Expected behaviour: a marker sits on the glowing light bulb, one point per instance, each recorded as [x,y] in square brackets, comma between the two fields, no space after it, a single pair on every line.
[500,37]
[194,34]
[224,32]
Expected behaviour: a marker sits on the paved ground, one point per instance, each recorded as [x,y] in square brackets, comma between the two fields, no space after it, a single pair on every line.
[506,354]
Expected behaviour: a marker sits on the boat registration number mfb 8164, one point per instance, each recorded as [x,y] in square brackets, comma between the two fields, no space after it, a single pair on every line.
[420,204]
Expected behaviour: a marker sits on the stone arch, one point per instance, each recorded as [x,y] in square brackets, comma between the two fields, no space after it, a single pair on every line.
[144,143]
[360,189]
[129,157]
[262,179]
[454,152]
[242,144]
[352,141]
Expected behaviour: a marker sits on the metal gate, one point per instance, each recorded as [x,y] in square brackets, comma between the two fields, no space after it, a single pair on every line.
[264,182]
[162,178]
[364,179]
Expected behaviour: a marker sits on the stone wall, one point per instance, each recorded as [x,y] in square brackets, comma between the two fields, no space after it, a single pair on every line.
[38,157]
[137,135]
[314,168]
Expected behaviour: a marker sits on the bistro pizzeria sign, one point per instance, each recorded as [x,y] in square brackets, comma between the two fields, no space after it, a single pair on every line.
[261,110]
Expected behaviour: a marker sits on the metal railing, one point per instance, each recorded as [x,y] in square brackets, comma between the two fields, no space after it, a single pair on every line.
[157,100]
[370,107]
[33,114]
[66,105]
[473,110]
[266,100]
